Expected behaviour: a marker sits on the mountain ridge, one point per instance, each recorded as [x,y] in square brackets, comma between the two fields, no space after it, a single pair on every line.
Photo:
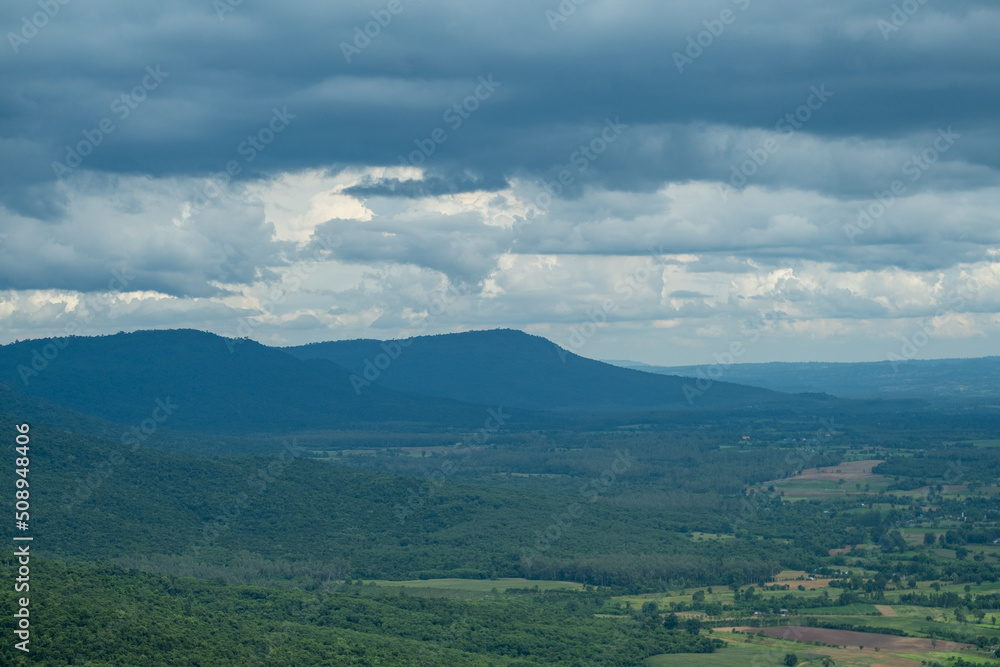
[214,385]
[523,370]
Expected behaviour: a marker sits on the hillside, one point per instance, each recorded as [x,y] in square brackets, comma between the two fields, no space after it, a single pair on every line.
[191,380]
[518,370]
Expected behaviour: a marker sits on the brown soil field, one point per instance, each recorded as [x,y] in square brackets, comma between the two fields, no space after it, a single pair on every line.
[850,638]
[845,550]
[848,656]
[791,577]
[849,471]
[808,585]
[439,449]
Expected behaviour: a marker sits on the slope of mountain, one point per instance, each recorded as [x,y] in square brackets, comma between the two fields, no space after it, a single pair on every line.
[19,407]
[191,380]
[929,378]
[515,369]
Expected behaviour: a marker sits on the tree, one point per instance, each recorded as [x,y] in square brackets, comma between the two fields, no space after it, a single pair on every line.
[671,621]
[692,625]
[791,659]
[929,539]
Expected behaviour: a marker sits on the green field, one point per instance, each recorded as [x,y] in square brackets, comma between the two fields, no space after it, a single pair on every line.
[727,657]
[480,585]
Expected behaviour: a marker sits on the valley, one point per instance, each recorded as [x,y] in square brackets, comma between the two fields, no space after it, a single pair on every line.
[442,531]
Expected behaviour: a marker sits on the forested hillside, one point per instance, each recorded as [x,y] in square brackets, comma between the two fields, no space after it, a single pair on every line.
[514,369]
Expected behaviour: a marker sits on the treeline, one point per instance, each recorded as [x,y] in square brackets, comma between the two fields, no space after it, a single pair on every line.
[636,572]
[97,614]
[947,465]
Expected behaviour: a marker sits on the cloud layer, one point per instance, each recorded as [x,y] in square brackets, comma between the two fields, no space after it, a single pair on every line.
[275,169]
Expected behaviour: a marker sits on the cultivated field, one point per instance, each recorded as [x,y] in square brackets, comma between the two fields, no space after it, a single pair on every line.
[848,638]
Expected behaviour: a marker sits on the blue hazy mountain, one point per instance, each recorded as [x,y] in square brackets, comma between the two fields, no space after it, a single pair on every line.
[916,378]
[191,380]
[515,369]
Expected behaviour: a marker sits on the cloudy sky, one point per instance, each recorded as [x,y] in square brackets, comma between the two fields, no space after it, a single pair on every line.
[633,179]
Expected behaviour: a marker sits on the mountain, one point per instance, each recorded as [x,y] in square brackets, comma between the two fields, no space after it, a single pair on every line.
[191,380]
[518,370]
[924,378]
[21,408]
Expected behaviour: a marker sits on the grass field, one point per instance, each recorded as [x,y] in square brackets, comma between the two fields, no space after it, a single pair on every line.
[909,651]
[698,537]
[728,657]
[480,585]
[744,651]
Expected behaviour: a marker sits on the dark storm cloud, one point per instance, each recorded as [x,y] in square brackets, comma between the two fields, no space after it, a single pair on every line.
[228,71]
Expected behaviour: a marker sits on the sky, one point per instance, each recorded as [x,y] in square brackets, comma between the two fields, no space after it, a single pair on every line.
[666,181]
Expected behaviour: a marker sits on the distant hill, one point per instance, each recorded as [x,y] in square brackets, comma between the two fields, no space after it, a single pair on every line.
[216,385]
[23,408]
[929,378]
[518,370]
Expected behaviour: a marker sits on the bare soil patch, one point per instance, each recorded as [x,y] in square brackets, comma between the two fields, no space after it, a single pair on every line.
[850,638]
[808,585]
[845,550]
[945,488]
[850,470]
